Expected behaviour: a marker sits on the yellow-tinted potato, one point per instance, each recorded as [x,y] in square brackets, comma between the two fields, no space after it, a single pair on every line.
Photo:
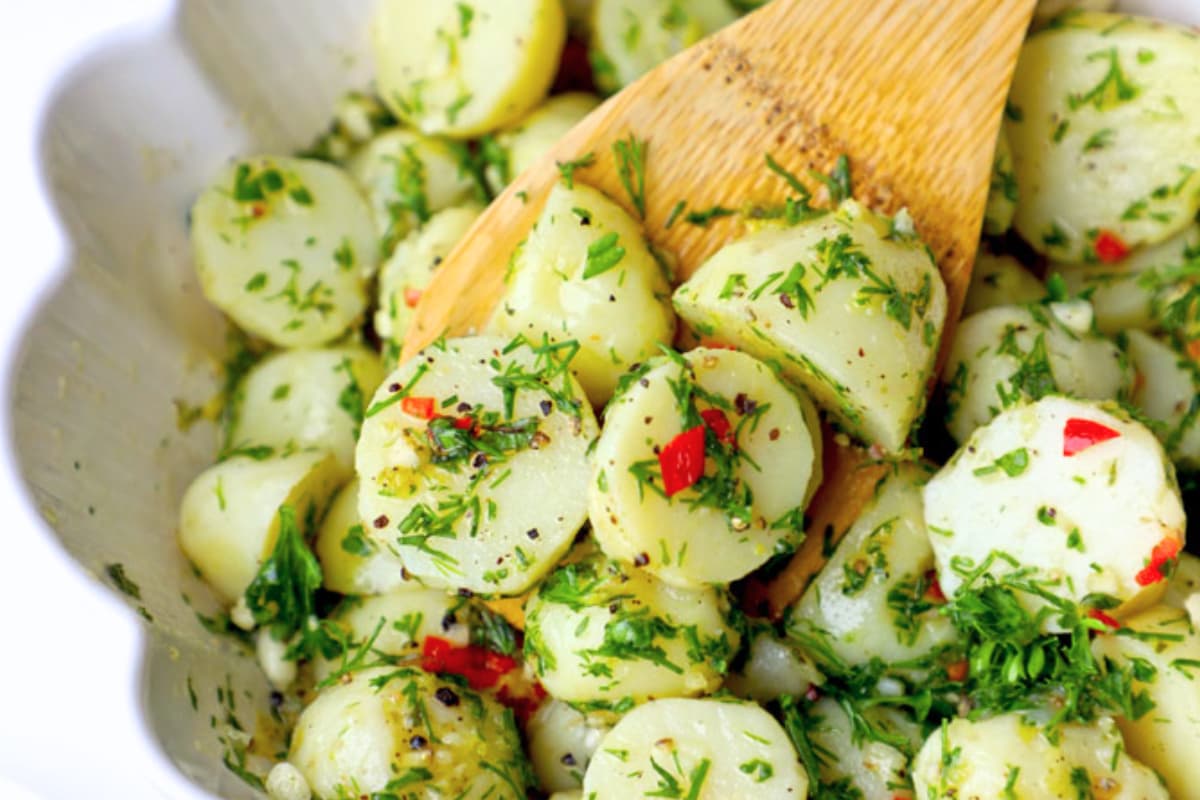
[351,562]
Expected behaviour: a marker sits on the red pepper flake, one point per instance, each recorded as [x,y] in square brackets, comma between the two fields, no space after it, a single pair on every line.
[481,667]
[258,210]
[522,704]
[1110,248]
[1193,350]
[718,423]
[957,671]
[418,407]
[933,589]
[812,694]
[1103,618]
[412,297]
[715,345]
[463,423]
[682,460]
[1080,434]
[1159,565]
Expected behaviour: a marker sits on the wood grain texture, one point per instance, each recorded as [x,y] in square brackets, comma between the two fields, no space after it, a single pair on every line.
[911,90]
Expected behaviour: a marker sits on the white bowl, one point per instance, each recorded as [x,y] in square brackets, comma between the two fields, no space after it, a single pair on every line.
[130,123]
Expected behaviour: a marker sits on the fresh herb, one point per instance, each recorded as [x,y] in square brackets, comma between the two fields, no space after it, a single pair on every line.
[351,398]
[705,217]
[1112,90]
[630,154]
[567,168]
[837,182]
[602,255]
[1012,464]
[116,574]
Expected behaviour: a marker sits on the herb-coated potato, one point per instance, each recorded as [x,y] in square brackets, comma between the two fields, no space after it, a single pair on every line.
[1076,491]
[757,457]
[874,768]
[711,749]
[1134,292]
[1003,192]
[1000,280]
[873,599]
[850,308]
[281,246]
[1168,391]
[410,268]
[1164,738]
[229,517]
[1010,355]
[981,758]
[631,37]
[561,743]
[351,562]
[407,179]
[307,398]
[473,463]
[465,68]
[404,730]
[526,141]
[585,273]
[1087,96]
[599,633]
[772,668]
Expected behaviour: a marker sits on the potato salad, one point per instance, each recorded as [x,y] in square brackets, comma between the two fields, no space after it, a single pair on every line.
[529,561]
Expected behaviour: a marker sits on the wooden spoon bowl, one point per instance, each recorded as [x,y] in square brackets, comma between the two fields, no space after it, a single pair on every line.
[911,91]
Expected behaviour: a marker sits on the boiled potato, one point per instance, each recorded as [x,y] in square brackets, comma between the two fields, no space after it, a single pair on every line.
[404,730]
[848,762]
[1002,192]
[1184,584]
[1131,294]
[463,69]
[772,668]
[454,458]
[631,37]
[562,741]
[409,270]
[357,117]
[1011,756]
[1000,280]
[585,273]
[1076,491]
[598,633]
[405,618]
[850,310]
[525,142]
[1009,355]
[281,246]
[1165,738]
[307,398]
[753,450]
[1102,121]
[872,599]
[408,178]
[1166,391]
[705,749]
[351,562]
[229,516]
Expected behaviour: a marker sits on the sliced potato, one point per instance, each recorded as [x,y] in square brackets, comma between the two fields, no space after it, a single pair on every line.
[773,668]
[229,516]
[850,308]
[391,730]
[281,246]
[586,273]
[981,758]
[453,460]
[759,451]
[710,749]
[1168,392]
[873,599]
[410,268]
[849,762]
[1010,355]
[1164,738]
[561,743]
[1000,280]
[1002,192]
[600,634]
[1131,294]
[631,37]
[307,398]
[526,141]
[1048,484]
[351,562]
[1087,98]
[465,68]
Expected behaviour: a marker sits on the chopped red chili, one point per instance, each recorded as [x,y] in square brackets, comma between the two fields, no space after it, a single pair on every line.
[412,297]
[957,671]
[933,589]
[1158,567]
[1080,434]
[1103,618]
[463,423]
[682,460]
[1110,248]
[481,667]
[714,345]
[523,704]
[812,694]
[718,423]
[418,406]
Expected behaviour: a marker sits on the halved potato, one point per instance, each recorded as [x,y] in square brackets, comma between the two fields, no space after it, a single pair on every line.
[351,562]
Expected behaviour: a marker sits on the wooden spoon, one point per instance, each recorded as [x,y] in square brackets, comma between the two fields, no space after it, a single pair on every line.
[911,90]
